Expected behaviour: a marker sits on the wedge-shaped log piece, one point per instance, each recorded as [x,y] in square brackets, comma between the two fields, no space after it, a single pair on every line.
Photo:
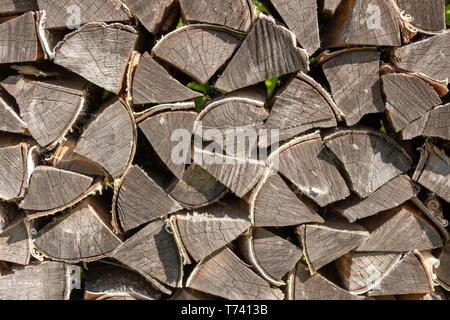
[237,15]
[325,243]
[363,22]
[110,139]
[274,204]
[161,129]
[433,171]
[223,274]
[407,98]
[302,104]
[151,83]
[19,41]
[330,6]
[15,242]
[302,19]
[151,13]
[196,189]
[61,14]
[402,229]
[48,107]
[407,277]
[198,51]
[271,256]
[98,52]
[138,199]
[12,7]
[429,56]
[9,119]
[443,272]
[306,163]
[392,194]
[362,271]
[45,281]
[302,286]
[353,75]
[83,234]
[208,229]
[428,17]
[434,123]
[370,159]
[153,253]
[252,64]
[14,169]
[52,188]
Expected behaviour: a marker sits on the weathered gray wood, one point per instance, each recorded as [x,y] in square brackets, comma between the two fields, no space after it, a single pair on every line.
[306,163]
[354,79]
[15,242]
[83,234]
[11,7]
[13,171]
[434,123]
[98,52]
[443,272]
[407,98]
[273,204]
[302,104]
[153,253]
[18,41]
[151,13]
[428,16]
[208,229]
[390,195]
[363,22]
[9,119]
[110,138]
[301,18]
[138,199]
[429,56]
[325,243]
[159,130]
[330,6]
[369,158]
[197,50]
[237,15]
[151,83]
[223,274]
[52,188]
[277,55]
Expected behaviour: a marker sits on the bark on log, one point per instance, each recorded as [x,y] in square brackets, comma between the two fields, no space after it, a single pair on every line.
[428,17]
[15,241]
[151,14]
[434,123]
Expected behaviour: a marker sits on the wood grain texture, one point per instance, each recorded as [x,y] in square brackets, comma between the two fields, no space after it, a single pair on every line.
[252,64]
[110,138]
[363,22]
[138,199]
[11,7]
[306,163]
[330,6]
[9,119]
[208,229]
[390,195]
[98,52]
[151,13]
[428,15]
[233,14]
[434,123]
[407,98]
[52,188]
[196,50]
[369,158]
[13,171]
[443,272]
[225,275]
[15,243]
[354,79]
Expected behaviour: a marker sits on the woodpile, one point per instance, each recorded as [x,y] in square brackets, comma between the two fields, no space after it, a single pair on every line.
[128,171]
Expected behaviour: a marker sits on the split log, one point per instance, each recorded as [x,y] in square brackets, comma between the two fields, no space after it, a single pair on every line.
[14,7]
[434,123]
[353,75]
[428,17]
[153,253]
[370,159]
[271,256]
[325,243]
[237,15]
[280,56]
[392,194]
[138,199]
[9,118]
[99,53]
[15,241]
[110,138]
[208,229]
[223,274]
[302,104]
[198,51]
[151,14]
[19,42]
[330,7]
[433,171]
[443,272]
[363,22]
[149,82]
[274,204]
[83,234]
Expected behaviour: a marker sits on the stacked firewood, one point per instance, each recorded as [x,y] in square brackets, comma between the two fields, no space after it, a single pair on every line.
[117,179]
